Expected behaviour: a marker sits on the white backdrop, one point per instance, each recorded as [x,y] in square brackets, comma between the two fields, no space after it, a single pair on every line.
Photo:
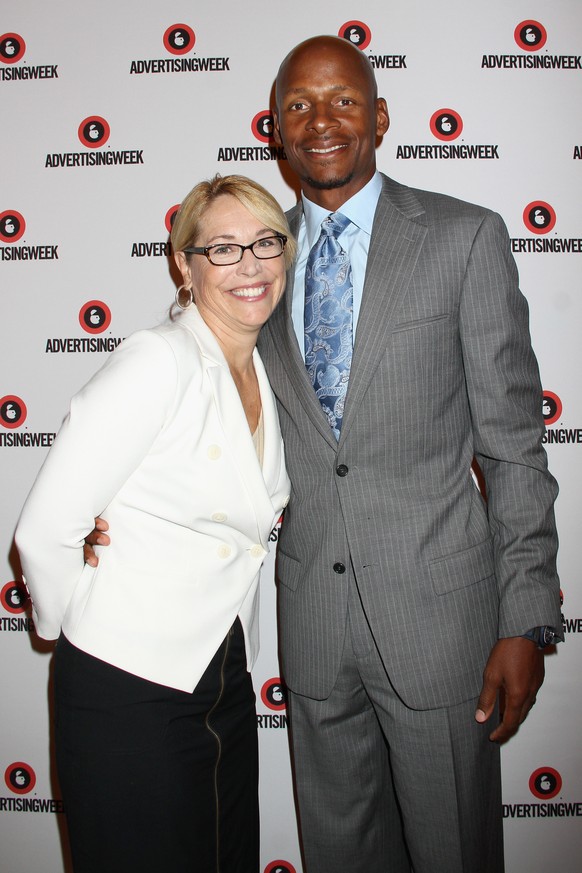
[110,112]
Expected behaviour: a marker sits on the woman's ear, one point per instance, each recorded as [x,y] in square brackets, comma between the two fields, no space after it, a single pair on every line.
[184,268]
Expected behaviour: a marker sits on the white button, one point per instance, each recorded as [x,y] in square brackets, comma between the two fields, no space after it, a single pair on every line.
[219,516]
[224,551]
[214,452]
[257,552]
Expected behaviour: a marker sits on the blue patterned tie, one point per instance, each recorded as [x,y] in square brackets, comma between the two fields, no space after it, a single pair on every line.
[328,319]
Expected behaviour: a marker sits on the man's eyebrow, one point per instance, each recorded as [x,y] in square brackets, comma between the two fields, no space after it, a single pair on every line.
[301,90]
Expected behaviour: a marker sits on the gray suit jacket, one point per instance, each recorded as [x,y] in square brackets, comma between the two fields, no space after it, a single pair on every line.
[442,372]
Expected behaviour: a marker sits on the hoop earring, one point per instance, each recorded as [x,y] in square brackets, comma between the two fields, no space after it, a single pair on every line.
[190,297]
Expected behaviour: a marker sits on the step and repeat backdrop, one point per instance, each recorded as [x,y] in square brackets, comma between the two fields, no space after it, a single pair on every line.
[111,112]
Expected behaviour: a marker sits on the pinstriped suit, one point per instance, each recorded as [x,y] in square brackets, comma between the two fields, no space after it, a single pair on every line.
[442,372]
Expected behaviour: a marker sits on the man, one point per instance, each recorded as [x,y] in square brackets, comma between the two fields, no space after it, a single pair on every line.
[403,596]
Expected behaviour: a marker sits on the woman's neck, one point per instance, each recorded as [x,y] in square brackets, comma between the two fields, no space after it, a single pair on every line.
[238,351]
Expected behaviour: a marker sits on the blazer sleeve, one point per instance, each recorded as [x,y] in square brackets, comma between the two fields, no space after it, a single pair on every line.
[505,397]
[112,424]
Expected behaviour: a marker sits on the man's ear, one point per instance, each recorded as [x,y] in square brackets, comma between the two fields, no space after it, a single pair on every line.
[382,117]
[276,129]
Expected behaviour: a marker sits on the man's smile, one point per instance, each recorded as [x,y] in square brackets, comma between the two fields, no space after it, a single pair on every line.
[325,151]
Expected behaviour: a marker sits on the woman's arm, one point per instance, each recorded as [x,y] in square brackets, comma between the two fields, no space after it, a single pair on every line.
[111,426]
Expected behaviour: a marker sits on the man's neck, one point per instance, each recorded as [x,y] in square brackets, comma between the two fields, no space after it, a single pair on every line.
[332,199]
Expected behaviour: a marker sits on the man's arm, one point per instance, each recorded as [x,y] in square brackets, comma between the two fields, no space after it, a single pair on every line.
[97,537]
[505,396]
[514,671]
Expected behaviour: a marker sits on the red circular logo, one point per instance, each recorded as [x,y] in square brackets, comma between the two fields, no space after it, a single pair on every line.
[280,867]
[539,217]
[170,217]
[12,48]
[545,783]
[446,124]
[94,131]
[12,226]
[179,39]
[273,694]
[356,32]
[551,407]
[530,35]
[12,411]
[262,126]
[20,778]
[95,316]
[14,597]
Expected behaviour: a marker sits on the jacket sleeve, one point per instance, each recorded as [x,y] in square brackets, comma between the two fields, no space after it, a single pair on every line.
[505,397]
[112,423]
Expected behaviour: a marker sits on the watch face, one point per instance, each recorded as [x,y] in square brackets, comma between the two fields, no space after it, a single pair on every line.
[547,636]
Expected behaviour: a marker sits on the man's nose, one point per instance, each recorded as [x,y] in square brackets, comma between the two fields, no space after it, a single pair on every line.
[322,118]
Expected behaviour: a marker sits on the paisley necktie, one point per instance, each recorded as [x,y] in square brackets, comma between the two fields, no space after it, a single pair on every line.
[328,319]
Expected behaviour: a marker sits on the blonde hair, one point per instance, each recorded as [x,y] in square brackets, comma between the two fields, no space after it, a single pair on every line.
[251,195]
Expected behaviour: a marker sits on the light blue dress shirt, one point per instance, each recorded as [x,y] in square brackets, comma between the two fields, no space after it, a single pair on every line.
[355,239]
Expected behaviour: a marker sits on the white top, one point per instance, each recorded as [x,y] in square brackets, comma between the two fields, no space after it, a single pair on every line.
[158,444]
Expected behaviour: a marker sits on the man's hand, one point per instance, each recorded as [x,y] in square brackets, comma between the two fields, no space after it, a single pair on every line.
[97,537]
[515,668]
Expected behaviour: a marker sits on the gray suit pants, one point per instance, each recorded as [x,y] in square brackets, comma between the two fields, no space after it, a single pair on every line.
[386,789]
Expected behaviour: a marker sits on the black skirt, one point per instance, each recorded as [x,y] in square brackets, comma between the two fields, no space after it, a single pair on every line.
[154,778]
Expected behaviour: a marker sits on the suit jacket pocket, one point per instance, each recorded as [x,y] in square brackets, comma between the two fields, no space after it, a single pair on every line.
[289,570]
[461,569]
[420,322]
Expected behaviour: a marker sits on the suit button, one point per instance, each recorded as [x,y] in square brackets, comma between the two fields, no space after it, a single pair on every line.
[338,567]
[342,470]
[214,452]
[223,551]
[219,516]
[257,552]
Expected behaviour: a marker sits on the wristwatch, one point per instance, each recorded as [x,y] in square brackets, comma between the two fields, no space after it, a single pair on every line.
[543,636]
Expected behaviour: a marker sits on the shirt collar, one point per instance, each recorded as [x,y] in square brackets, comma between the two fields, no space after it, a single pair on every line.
[359,209]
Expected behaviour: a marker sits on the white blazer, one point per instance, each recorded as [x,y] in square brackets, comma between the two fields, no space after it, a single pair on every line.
[157,443]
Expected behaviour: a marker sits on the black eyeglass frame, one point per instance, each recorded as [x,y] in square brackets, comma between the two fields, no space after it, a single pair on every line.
[207,250]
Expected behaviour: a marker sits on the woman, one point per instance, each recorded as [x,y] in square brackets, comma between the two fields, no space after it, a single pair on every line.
[176,441]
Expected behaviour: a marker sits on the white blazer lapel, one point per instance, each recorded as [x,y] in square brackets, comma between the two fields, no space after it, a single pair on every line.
[267,487]
[273,472]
